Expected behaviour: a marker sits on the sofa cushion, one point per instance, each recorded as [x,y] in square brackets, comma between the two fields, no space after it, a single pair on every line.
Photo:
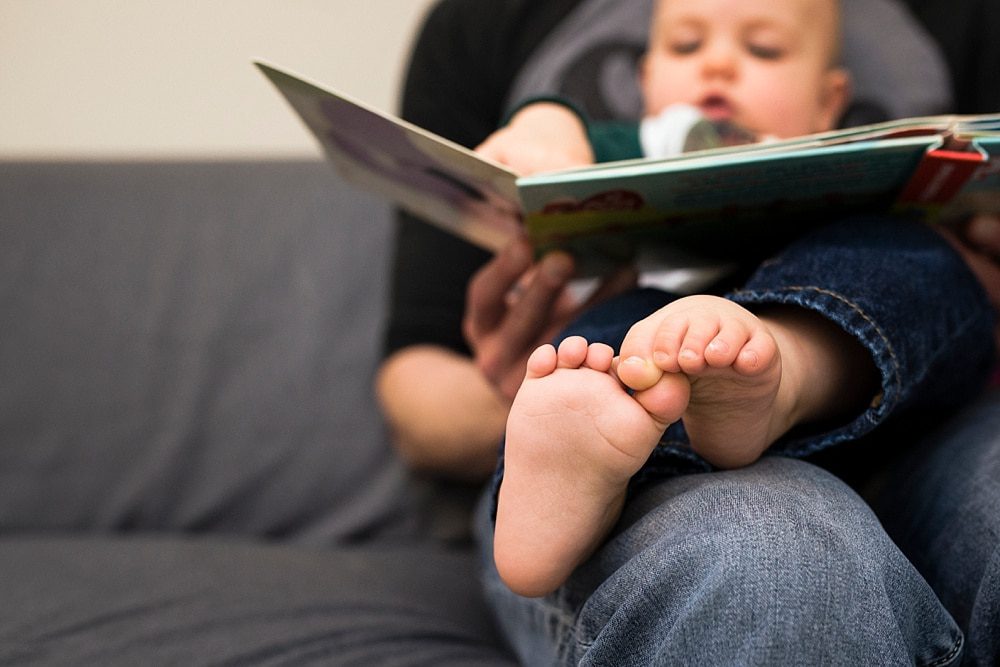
[190,346]
[142,600]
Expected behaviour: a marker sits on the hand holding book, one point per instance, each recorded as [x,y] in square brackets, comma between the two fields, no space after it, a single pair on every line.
[543,136]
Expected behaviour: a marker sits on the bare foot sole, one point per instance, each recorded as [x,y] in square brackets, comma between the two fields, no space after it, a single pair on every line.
[732,360]
[575,437]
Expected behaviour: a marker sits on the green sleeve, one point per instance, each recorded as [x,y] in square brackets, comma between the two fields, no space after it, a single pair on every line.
[610,140]
[614,140]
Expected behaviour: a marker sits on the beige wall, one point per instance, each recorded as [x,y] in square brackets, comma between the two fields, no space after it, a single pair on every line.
[172,78]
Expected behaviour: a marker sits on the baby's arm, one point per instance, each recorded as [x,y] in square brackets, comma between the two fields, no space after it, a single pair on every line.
[543,136]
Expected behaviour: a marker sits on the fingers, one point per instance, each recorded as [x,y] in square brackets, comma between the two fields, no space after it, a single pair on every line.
[542,136]
[983,232]
[531,313]
[510,310]
[502,149]
[979,246]
[513,305]
[987,270]
[486,295]
[620,281]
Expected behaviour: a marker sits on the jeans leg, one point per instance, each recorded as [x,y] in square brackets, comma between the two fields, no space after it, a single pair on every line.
[941,503]
[776,563]
[905,296]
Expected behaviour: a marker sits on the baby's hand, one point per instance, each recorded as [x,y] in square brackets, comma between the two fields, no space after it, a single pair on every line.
[544,136]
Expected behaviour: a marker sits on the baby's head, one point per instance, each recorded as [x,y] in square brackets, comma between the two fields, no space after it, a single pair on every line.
[770,66]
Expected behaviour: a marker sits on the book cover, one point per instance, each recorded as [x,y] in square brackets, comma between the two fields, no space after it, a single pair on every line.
[429,176]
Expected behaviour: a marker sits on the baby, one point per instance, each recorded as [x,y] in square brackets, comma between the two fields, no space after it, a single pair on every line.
[584,420]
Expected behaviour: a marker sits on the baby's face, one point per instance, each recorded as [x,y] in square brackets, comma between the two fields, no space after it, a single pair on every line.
[762,64]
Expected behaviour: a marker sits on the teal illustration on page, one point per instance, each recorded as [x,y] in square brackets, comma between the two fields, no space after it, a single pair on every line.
[724,206]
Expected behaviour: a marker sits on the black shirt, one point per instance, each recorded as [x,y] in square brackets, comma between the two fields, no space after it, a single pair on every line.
[463,63]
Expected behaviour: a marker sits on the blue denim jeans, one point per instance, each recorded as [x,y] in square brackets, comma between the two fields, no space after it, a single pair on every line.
[940,501]
[780,562]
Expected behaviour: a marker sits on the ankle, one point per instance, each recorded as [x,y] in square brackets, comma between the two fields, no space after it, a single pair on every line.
[798,396]
[825,372]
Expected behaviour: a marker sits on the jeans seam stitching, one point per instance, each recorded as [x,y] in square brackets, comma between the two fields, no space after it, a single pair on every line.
[950,655]
[854,307]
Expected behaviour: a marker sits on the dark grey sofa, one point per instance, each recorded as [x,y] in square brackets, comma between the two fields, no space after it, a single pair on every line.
[192,466]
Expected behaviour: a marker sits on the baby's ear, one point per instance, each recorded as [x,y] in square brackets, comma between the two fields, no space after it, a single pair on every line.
[836,95]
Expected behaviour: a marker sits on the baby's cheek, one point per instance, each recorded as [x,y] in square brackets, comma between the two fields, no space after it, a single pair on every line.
[773,107]
[662,88]
[785,119]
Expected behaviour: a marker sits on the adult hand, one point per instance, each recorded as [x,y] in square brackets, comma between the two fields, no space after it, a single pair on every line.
[979,244]
[513,305]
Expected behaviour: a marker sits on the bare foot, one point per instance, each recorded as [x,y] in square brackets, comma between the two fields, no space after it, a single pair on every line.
[738,405]
[575,437]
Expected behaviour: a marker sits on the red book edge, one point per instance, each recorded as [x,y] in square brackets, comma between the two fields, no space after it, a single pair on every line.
[940,176]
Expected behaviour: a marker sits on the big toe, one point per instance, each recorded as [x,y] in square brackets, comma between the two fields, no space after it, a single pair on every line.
[638,373]
[667,399]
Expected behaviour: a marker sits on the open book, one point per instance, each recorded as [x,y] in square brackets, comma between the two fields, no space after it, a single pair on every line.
[720,203]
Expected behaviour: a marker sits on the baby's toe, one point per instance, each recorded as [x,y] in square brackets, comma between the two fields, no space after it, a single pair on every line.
[725,346]
[541,362]
[691,356]
[572,352]
[758,354]
[667,399]
[599,357]
[637,373]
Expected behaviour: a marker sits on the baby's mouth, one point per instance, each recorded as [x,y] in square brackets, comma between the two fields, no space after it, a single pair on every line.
[717,108]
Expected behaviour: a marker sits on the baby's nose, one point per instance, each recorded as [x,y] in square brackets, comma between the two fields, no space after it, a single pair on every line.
[719,60]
